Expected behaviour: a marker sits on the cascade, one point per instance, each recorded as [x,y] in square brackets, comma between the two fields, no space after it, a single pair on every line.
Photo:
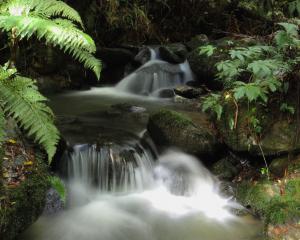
[156,75]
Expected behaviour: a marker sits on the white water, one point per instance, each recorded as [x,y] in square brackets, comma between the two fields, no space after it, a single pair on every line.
[155,76]
[180,202]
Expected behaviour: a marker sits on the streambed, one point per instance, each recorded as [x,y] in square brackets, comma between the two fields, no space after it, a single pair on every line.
[159,197]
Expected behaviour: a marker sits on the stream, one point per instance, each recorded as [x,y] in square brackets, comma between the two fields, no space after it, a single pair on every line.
[120,187]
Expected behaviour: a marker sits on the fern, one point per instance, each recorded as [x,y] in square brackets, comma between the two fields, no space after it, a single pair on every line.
[22,101]
[33,18]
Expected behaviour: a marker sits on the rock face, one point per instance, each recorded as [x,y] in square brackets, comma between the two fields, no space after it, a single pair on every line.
[190,133]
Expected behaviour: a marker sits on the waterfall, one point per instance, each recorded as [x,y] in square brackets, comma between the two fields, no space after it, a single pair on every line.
[156,75]
[178,200]
[110,167]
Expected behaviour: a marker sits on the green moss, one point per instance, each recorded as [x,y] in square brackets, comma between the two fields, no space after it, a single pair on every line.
[171,117]
[275,204]
[24,203]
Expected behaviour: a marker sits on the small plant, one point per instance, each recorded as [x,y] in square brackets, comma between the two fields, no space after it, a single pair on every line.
[59,186]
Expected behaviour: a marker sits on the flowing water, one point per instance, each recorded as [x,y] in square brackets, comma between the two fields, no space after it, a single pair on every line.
[119,187]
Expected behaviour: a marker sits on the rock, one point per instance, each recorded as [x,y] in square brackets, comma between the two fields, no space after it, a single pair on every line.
[197,41]
[188,92]
[189,132]
[277,203]
[116,56]
[226,168]
[54,203]
[204,67]
[165,93]
[53,83]
[143,56]
[173,53]
[278,166]
[277,138]
[24,203]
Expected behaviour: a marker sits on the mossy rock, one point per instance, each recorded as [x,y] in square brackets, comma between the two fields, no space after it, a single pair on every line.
[277,137]
[189,132]
[276,203]
[225,168]
[22,205]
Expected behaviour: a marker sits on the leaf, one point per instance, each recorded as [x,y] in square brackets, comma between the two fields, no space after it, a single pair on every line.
[207,50]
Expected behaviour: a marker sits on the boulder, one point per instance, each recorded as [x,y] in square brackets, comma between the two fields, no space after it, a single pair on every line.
[278,139]
[116,56]
[204,67]
[23,203]
[187,131]
[173,53]
[226,168]
[188,91]
[143,56]
[279,165]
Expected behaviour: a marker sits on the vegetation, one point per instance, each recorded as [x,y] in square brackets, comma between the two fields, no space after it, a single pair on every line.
[57,24]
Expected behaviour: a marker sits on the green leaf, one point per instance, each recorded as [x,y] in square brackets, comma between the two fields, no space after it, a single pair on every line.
[207,50]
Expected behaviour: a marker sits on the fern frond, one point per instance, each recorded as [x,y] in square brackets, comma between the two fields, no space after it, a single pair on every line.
[68,39]
[23,102]
[53,8]
[46,8]
[88,60]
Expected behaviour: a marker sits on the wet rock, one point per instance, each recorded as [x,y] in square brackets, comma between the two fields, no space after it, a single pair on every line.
[54,203]
[166,93]
[173,53]
[188,91]
[188,132]
[143,56]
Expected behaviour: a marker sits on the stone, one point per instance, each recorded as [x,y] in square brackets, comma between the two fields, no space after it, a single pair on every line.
[278,166]
[143,56]
[278,137]
[173,53]
[54,204]
[188,91]
[189,132]
[225,168]
[116,56]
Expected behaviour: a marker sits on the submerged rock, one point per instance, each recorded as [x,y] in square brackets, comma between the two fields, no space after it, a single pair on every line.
[54,203]
[189,132]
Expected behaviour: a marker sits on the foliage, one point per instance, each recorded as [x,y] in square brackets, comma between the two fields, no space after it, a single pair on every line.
[55,23]
[59,186]
[21,100]
[277,203]
[213,103]
[253,73]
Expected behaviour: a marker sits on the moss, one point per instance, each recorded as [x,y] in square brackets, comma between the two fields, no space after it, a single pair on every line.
[23,204]
[276,204]
[168,116]
[59,186]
